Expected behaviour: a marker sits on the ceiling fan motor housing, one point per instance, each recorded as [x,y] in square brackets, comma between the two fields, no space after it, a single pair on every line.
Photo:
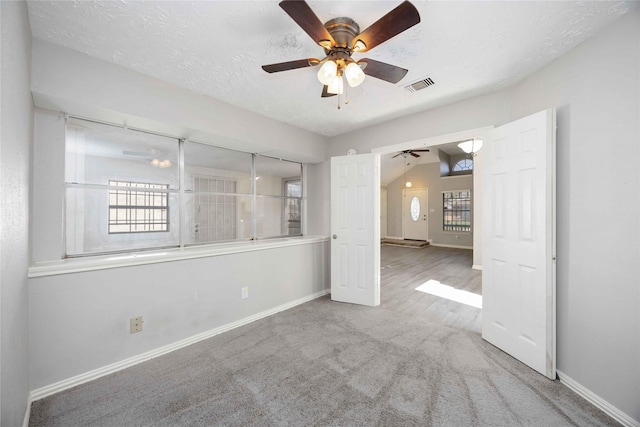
[343,30]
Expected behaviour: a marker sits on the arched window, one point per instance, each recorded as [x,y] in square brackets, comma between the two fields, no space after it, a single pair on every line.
[463,165]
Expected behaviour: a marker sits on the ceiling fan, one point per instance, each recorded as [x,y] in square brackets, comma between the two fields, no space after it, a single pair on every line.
[340,38]
[411,152]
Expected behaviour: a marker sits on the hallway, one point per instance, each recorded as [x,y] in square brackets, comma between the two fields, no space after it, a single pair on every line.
[405,269]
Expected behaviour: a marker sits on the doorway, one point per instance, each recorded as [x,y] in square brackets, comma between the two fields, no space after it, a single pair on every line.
[436,283]
[519,172]
[415,203]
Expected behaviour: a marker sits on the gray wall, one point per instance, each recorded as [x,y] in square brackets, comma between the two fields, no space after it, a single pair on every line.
[428,176]
[595,89]
[15,168]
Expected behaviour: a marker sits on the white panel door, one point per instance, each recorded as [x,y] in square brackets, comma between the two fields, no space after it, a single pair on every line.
[414,211]
[355,221]
[518,275]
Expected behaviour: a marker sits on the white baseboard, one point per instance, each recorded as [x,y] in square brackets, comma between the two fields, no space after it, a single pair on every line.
[394,238]
[476,267]
[27,414]
[123,364]
[598,402]
[440,245]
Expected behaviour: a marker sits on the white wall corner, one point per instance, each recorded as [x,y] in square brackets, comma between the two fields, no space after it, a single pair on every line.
[597,401]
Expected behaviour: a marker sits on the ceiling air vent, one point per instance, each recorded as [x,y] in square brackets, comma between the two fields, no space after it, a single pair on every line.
[419,85]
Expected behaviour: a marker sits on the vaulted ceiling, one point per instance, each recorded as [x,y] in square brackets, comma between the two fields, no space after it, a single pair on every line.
[216,48]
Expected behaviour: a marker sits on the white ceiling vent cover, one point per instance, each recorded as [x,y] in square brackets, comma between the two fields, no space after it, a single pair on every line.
[419,85]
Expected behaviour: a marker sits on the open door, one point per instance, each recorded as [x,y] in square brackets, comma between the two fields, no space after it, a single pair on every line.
[355,223]
[518,272]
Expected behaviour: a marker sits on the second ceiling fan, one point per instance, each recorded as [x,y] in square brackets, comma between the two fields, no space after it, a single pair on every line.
[410,152]
[340,38]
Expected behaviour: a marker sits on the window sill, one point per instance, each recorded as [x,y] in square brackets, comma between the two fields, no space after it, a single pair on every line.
[102,262]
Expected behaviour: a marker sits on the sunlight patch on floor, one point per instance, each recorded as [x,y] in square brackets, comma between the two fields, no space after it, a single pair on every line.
[438,289]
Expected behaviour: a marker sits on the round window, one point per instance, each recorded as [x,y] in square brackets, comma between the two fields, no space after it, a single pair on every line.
[415,208]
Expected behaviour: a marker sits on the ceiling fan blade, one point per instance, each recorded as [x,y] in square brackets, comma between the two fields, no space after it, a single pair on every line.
[136,153]
[399,154]
[300,12]
[420,151]
[383,71]
[393,23]
[414,154]
[325,92]
[290,65]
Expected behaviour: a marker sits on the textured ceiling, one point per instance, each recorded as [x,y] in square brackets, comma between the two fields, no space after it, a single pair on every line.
[217,47]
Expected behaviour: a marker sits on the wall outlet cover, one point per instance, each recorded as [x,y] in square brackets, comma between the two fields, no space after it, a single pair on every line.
[135,324]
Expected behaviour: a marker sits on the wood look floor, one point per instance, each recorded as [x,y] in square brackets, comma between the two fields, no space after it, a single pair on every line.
[404,269]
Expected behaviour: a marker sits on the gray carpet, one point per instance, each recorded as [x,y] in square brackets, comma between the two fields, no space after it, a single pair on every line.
[325,363]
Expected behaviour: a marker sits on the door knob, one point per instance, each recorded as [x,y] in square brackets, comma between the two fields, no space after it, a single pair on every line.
[335,236]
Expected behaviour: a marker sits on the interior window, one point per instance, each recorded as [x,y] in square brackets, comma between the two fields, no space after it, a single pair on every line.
[218,194]
[121,189]
[130,190]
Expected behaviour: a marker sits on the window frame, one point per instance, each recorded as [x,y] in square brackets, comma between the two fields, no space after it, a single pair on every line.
[445,224]
[463,171]
[286,204]
[128,190]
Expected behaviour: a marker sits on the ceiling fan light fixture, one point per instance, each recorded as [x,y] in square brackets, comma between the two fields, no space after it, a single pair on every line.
[354,74]
[326,44]
[359,46]
[328,72]
[336,86]
[166,163]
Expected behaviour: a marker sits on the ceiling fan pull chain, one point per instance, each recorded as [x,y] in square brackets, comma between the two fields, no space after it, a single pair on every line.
[346,94]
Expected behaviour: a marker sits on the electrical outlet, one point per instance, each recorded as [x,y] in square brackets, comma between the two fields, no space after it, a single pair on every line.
[135,324]
[245,292]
